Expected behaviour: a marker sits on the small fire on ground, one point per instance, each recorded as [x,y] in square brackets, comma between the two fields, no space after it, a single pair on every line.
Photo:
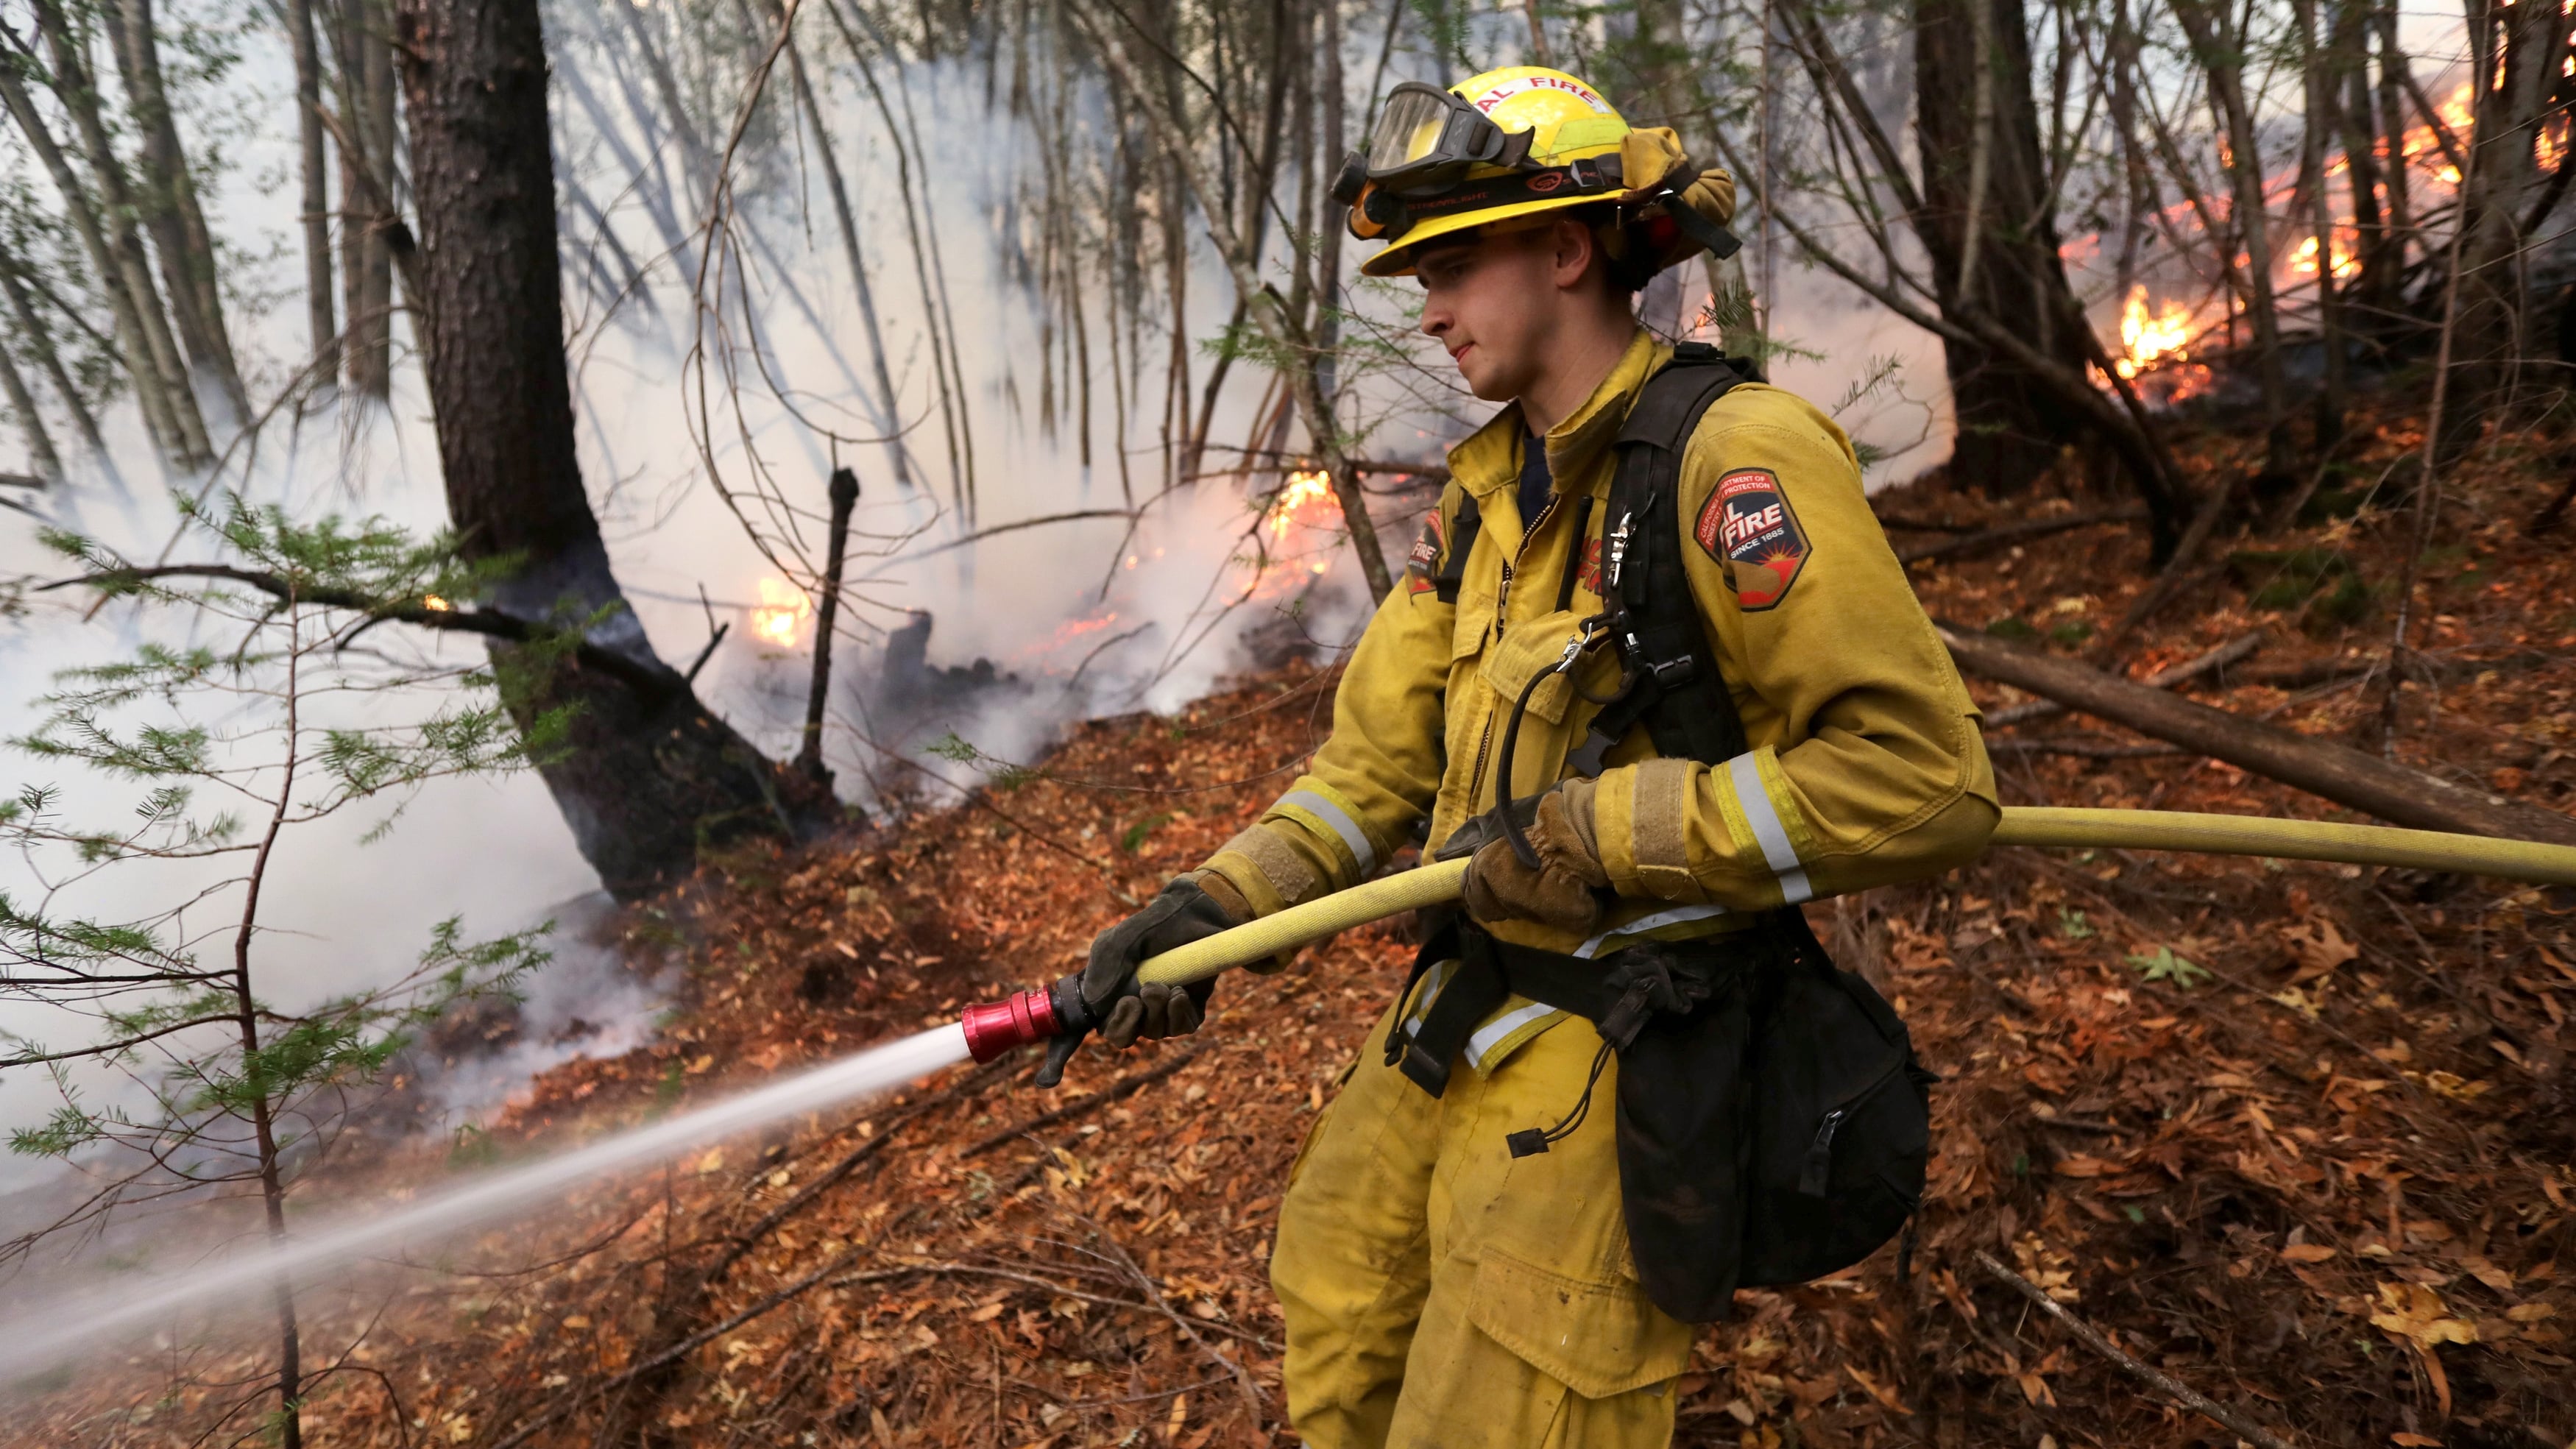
[2155,349]
[2145,340]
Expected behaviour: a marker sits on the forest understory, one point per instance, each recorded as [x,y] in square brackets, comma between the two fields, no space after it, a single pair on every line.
[2295,1136]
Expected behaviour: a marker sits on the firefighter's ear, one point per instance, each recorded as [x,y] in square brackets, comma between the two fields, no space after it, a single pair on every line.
[1572,248]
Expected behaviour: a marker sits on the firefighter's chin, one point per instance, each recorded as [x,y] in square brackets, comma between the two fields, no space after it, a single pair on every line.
[1487,376]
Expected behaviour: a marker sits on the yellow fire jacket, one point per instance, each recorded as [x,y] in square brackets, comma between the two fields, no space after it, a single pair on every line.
[1866,766]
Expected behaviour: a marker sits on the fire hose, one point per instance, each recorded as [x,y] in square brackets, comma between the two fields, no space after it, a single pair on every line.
[1058,1016]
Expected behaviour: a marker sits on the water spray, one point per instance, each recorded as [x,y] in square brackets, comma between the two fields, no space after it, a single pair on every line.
[37,1336]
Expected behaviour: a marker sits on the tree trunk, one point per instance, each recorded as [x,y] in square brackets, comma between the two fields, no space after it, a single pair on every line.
[1989,224]
[2221,57]
[132,350]
[39,339]
[125,262]
[170,207]
[320,319]
[2494,318]
[889,405]
[647,773]
[2392,130]
[47,463]
[2379,251]
[366,254]
[2318,122]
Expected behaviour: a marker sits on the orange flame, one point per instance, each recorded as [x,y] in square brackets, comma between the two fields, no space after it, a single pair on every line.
[779,619]
[2145,340]
[1299,502]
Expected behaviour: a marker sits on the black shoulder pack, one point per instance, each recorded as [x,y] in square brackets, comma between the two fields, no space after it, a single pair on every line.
[1828,1128]
[1773,1124]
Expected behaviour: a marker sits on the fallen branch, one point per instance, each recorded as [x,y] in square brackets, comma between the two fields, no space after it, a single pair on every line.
[1906,523]
[1080,1105]
[696,1341]
[2348,777]
[2023,531]
[831,1275]
[2231,652]
[2420,667]
[1242,1376]
[2234,1421]
[2081,749]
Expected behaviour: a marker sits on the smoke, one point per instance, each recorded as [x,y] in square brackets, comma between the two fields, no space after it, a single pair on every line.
[1025,630]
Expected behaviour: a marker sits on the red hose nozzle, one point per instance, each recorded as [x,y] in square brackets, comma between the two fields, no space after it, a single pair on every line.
[994,1027]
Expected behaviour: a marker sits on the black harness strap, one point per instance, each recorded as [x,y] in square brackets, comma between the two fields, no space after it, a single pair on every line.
[1462,542]
[1669,686]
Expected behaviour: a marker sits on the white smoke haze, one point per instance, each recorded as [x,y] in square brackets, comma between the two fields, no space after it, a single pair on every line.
[1076,620]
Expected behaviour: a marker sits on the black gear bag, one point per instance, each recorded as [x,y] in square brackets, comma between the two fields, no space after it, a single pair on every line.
[1773,1123]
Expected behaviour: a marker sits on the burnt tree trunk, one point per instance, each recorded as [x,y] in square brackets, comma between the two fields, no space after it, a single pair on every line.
[647,773]
[1990,228]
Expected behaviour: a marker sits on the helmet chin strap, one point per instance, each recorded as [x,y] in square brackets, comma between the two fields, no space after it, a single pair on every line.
[1721,243]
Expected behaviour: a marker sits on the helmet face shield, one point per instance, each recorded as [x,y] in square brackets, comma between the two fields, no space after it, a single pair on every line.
[1426,136]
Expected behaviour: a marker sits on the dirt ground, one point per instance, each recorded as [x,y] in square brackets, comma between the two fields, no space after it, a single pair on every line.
[2296,1138]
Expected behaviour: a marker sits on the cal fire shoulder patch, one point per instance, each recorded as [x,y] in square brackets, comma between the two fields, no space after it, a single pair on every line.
[1749,528]
[1422,566]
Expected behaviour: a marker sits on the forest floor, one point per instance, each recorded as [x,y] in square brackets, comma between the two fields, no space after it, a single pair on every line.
[2298,1137]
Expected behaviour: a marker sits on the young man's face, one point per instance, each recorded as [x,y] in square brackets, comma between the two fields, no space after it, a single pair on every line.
[1498,302]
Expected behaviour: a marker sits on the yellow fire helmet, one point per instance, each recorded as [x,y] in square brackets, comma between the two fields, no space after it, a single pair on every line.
[1519,143]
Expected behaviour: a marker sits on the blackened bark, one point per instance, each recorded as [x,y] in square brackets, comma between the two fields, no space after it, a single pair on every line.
[648,774]
[2009,426]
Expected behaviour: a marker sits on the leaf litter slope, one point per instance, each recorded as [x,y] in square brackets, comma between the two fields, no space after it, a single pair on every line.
[2295,1136]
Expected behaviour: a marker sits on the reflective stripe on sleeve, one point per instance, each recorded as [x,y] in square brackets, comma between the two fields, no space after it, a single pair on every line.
[1341,823]
[1640,926]
[1494,1032]
[1764,817]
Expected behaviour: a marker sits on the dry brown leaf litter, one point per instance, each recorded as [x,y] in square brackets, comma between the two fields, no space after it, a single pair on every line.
[2298,1136]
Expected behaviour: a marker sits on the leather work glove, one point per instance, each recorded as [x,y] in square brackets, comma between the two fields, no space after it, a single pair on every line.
[1559,892]
[1190,908]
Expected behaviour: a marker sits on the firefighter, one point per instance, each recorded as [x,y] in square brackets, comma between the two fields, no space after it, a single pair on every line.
[1442,1283]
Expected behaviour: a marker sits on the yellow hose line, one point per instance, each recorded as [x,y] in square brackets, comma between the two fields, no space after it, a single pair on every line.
[1406,890]
[1433,885]
[2521,860]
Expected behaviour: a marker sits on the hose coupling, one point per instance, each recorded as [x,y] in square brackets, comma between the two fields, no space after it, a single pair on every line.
[1056,1015]
[994,1027]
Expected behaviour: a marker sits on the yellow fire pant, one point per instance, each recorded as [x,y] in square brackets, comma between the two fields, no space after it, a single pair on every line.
[1440,1294]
